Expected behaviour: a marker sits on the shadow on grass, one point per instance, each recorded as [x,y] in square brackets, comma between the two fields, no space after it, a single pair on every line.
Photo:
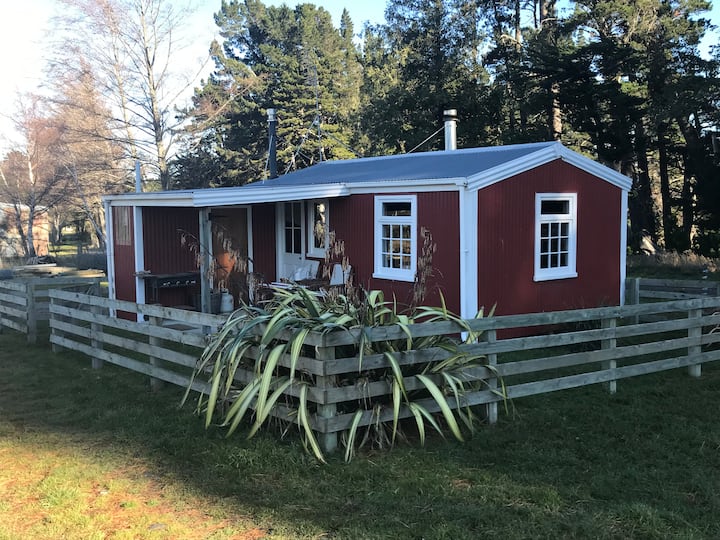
[579,463]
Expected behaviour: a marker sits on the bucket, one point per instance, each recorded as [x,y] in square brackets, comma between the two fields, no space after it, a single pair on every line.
[227,303]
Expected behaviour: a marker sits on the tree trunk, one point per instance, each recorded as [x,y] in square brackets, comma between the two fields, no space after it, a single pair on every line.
[668,223]
[549,31]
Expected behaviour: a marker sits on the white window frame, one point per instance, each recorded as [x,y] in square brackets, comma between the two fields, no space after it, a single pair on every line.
[383,272]
[313,251]
[562,272]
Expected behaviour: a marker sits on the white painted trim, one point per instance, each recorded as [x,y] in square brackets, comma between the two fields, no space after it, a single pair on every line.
[546,155]
[156,198]
[623,243]
[139,248]
[380,272]
[469,234]
[250,195]
[280,235]
[420,186]
[310,249]
[247,195]
[279,228]
[595,168]
[250,245]
[205,247]
[110,252]
[570,271]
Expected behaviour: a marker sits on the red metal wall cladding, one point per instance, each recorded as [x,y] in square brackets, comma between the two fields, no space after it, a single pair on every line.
[506,229]
[124,257]
[164,252]
[263,230]
[353,220]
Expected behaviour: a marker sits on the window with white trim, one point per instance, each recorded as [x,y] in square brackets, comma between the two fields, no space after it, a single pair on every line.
[395,237]
[318,227]
[555,236]
[122,230]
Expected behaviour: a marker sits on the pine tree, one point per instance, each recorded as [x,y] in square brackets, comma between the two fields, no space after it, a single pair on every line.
[293,60]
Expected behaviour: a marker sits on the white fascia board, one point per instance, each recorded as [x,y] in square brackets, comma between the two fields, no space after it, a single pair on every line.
[516,166]
[159,198]
[249,195]
[596,169]
[418,186]
[546,155]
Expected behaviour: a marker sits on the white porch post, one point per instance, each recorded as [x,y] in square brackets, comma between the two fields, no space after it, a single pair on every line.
[205,233]
[110,249]
[139,247]
[468,252]
[250,249]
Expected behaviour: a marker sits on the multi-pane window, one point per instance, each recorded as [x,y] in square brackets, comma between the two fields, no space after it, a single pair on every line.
[293,227]
[555,235]
[395,237]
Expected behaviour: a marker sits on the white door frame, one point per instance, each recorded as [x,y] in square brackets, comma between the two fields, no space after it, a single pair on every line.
[283,258]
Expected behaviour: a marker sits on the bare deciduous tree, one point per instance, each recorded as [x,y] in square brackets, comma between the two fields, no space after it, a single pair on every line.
[29,178]
[130,46]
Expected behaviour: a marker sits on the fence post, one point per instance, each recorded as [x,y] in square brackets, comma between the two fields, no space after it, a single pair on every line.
[31,313]
[607,344]
[54,317]
[96,329]
[635,296]
[695,334]
[491,409]
[328,441]
[155,383]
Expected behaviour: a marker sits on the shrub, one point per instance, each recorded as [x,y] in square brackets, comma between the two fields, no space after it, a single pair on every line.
[256,338]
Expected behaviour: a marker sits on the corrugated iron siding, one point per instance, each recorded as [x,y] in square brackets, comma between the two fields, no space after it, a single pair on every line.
[506,242]
[263,230]
[124,254]
[164,253]
[353,220]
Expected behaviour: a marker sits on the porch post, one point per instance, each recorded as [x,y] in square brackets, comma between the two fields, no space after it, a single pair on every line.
[139,247]
[205,233]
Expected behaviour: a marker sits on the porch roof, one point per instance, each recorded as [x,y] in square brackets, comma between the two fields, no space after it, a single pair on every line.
[473,168]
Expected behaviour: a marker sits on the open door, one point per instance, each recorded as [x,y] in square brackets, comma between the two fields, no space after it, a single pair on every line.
[291,240]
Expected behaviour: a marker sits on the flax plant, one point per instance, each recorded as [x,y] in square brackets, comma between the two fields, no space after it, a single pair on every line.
[253,374]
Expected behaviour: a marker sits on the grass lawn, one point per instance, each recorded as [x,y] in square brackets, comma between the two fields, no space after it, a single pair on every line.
[90,454]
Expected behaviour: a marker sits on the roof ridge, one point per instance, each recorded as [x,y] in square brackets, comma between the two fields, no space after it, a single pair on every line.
[435,153]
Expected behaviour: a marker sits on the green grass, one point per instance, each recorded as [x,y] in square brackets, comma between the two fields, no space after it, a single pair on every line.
[94,454]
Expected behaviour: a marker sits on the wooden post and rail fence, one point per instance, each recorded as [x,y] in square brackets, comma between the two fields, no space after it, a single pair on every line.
[25,302]
[559,350]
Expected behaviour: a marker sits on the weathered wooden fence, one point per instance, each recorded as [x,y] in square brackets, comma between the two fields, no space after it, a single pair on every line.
[589,346]
[25,301]
[166,345]
[640,290]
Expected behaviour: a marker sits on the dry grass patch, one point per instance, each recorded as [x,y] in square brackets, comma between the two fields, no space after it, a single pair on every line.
[66,490]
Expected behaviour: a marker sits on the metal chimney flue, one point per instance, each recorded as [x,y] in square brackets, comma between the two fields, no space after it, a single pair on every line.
[450,119]
[272,149]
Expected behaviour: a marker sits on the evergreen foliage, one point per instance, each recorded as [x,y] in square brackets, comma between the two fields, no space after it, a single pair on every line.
[623,82]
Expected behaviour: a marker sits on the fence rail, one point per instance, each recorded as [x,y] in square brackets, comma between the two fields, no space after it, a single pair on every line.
[25,301]
[648,289]
[602,345]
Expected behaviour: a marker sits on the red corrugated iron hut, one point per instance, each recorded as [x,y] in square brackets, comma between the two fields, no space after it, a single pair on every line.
[528,227]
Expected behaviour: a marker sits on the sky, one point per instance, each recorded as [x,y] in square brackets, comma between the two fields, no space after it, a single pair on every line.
[24,25]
